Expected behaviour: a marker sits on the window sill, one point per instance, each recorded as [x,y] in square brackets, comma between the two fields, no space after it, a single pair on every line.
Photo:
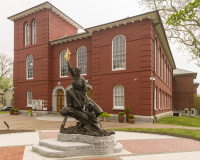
[29,106]
[118,109]
[120,69]
[160,109]
[155,109]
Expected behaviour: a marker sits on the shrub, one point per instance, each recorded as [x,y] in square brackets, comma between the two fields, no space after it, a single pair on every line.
[131,116]
[121,113]
[127,110]
[12,109]
[16,110]
[29,111]
[105,114]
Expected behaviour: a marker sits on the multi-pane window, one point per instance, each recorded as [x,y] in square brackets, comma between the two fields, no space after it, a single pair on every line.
[27,35]
[119,96]
[29,63]
[82,59]
[155,49]
[163,100]
[155,98]
[29,98]
[159,98]
[159,62]
[63,65]
[163,67]
[1,100]
[119,53]
[34,32]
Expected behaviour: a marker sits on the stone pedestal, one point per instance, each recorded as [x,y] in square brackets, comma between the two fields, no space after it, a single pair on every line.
[67,145]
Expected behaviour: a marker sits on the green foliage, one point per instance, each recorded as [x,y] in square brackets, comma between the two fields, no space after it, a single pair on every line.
[187,14]
[197,102]
[127,109]
[12,109]
[190,133]
[180,121]
[29,111]
[6,82]
[121,113]
[131,116]
[105,114]
[4,112]
[16,110]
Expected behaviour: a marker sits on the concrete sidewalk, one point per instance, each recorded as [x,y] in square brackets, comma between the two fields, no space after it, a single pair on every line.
[137,146]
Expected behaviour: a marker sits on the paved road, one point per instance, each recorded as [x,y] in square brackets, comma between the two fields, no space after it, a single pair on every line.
[53,123]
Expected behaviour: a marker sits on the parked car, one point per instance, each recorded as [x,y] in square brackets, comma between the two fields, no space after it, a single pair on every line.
[6,108]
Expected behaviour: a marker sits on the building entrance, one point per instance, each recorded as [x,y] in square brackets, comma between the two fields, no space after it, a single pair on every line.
[60,99]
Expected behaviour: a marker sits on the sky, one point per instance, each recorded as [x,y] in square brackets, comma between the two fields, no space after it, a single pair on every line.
[87,13]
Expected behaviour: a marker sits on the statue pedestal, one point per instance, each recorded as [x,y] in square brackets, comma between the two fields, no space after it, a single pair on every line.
[67,145]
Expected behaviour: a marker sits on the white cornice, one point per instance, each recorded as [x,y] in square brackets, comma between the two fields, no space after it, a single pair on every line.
[70,38]
[43,6]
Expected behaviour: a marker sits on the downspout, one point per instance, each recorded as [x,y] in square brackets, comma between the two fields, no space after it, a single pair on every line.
[155,119]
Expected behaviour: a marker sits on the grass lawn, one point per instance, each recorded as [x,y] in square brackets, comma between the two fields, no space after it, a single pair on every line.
[186,133]
[4,112]
[180,121]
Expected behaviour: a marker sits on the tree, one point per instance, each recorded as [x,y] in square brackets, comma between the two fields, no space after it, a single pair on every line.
[6,82]
[197,102]
[6,65]
[183,23]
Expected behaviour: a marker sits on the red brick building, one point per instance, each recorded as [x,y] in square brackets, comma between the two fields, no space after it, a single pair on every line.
[184,89]
[125,63]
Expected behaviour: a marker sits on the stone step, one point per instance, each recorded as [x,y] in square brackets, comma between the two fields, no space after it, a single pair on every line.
[47,152]
[57,149]
[58,145]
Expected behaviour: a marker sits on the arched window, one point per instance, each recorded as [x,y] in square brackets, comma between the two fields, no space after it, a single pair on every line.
[29,98]
[82,59]
[34,32]
[119,53]
[27,36]
[119,97]
[63,65]
[29,66]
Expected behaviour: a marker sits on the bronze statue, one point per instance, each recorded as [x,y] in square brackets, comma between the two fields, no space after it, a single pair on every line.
[81,107]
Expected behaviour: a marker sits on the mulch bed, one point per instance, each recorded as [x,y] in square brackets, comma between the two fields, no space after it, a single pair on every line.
[14,131]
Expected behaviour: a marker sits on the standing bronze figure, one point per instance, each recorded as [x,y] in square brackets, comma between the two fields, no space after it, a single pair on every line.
[81,107]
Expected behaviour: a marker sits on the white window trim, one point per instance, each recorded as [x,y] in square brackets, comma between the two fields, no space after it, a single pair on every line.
[119,69]
[27,68]
[117,107]
[28,105]
[26,35]
[34,42]
[60,65]
[77,59]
